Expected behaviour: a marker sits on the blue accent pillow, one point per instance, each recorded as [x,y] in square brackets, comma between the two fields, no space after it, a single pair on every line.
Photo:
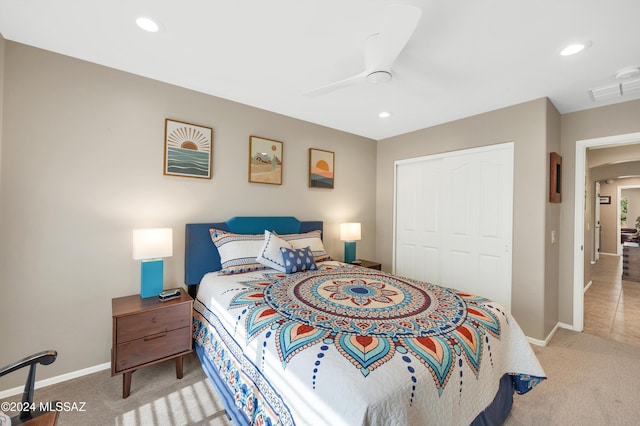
[298,260]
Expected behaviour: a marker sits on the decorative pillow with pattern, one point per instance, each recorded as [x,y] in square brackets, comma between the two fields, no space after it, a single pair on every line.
[312,240]
[238,252]
[270,254]
[298,260]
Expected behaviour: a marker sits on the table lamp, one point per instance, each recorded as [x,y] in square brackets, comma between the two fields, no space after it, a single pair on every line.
[350,233]
[150,246]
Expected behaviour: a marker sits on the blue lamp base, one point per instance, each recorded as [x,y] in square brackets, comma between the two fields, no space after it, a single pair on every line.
[151,277]
[349,251]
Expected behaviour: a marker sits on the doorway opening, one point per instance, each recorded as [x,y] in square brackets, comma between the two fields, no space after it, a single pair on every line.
[579,215]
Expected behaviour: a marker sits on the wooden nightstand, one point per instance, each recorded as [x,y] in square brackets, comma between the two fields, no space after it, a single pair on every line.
[147,331]
[371,265]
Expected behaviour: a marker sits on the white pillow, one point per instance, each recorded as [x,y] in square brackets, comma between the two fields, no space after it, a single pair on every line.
[270,254]
[237,251]
[308,239]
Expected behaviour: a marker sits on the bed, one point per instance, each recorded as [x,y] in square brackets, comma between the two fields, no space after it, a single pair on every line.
[336,344]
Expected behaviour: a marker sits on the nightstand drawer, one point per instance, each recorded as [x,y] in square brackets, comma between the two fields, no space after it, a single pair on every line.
[139,325]
[152,347]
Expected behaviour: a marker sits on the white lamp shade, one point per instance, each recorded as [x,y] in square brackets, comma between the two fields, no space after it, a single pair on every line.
[152,243]
[350,231]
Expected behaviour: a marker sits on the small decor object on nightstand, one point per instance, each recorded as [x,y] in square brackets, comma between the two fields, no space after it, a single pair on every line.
[169,294]
[150,246]
[350,233]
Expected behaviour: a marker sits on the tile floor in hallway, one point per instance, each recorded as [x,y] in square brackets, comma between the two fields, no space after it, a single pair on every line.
[612,305]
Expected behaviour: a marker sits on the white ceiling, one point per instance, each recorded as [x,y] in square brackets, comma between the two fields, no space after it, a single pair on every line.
[465,57]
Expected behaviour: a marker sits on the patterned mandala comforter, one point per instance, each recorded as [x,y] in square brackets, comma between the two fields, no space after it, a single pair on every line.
[353,346]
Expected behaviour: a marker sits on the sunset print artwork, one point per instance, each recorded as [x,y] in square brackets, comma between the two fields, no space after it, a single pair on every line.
[320,168]
[187,149]
[265,160]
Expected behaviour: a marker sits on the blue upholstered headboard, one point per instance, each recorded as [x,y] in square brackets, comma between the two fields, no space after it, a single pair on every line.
[201,255]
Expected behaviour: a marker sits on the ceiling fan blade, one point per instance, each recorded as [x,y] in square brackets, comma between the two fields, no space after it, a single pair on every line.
[382,49]
[336,85]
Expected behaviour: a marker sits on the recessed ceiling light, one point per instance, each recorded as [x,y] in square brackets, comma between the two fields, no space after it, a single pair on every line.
[147,24]
[572,49]
[384,114]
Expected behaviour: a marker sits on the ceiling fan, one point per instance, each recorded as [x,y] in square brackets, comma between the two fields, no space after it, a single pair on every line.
[381,49]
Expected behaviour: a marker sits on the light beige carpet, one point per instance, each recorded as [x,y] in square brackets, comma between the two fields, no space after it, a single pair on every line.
[157,398]
[592,381]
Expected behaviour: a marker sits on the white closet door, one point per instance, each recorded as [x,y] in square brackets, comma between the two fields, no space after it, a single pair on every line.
[454,220]
[417,249]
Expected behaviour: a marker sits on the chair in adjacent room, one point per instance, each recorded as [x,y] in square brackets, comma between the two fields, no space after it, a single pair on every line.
[28,416]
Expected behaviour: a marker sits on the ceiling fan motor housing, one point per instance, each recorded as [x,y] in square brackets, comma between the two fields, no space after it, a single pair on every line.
[379,77]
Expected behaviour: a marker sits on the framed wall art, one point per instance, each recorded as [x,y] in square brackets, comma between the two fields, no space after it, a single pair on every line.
[555,178]
[188,149]
[605,199]
[265,160]
[321,165]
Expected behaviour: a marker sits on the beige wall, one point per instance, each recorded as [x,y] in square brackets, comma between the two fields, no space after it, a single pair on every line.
[2,45]
[532,127]
[605,121]
[609,238]
[82,161]
[601,156]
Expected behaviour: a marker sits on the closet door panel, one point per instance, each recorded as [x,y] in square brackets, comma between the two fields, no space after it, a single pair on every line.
[453,220]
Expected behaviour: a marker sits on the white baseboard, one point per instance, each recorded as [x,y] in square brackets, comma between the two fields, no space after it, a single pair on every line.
[546,341]
[586,287]
[536,342]
[565,326]
[57,379]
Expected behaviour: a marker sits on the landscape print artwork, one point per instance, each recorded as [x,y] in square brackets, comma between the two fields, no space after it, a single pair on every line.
[321,168]
[265,160]
[187,149]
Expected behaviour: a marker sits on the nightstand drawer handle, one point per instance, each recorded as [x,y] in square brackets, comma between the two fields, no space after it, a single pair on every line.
[155,336]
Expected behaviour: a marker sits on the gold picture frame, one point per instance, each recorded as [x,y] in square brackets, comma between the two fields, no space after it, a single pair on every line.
[321,168]
[188,149]
[265,160]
